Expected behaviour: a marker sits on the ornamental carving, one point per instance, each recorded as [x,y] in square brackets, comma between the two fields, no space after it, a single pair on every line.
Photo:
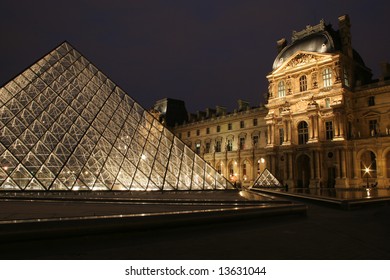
[301,59]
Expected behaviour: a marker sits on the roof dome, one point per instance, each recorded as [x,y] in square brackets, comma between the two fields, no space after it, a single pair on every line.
[321,42]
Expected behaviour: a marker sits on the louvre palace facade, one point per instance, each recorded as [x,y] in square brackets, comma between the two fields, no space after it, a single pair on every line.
[326,122]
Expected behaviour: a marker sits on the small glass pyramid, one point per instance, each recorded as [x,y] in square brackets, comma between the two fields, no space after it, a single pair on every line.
[266,180]
[64,125]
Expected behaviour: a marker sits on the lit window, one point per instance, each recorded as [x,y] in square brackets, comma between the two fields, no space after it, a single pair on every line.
[303,133]
[281,89]
[373,126]
[329,130]
[244,169]
[327,77]
[229,145]
[219,168]
[231,169]
[303,83]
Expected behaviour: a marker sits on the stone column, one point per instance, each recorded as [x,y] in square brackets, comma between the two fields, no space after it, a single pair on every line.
[343,163]
[285,131]
[290,166]
[336,125]
[310,128]
[316,127]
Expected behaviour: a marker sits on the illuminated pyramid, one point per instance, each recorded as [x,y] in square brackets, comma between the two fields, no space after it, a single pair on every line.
[266,180]
[65,126]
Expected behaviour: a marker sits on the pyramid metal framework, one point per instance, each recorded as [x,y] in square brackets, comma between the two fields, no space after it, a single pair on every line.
[65,126]
[266,180]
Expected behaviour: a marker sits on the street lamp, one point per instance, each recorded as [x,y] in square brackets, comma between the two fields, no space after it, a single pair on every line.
[367,171]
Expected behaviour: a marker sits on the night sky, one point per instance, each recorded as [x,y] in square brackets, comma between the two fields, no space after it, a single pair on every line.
[205,52]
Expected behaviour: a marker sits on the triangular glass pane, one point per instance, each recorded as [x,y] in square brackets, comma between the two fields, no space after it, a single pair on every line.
[34,185]
[118,186]
[8,162]
[9,184]
[18,149]
[32,163]
[58,186]
[21,176]
[45,176]
[7,137]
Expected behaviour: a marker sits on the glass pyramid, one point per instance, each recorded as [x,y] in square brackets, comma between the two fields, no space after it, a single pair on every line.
[266,180]
[65,126]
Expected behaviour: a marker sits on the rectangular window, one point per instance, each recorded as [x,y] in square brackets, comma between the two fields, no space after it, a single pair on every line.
[197,132]
[207,147]
[254,122]
[242,143]
[179,135]
[230,126]
[371,101]
[229,146]
[329,130]
[208,130]
[281,136]
[218,146]
[218,128]
[373,126]
[242,124]
[188,133]
[255,140]
[327,77]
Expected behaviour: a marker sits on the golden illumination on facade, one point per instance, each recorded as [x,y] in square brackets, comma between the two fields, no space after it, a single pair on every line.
[325,118]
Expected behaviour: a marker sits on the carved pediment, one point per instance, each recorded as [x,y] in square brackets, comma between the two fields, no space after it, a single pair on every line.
[300,59]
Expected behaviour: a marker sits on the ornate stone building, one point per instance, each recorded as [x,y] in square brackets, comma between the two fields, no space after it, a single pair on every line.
[326,122]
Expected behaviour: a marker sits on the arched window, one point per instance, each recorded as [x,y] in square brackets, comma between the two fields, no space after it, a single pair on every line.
[281,89]
[327,77]
[303,133]
[219,167]
[303,83]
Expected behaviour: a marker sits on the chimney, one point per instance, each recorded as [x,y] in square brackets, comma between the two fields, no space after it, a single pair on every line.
[345,35]
[385,68]
[221,111]
[281,44]
[242,105]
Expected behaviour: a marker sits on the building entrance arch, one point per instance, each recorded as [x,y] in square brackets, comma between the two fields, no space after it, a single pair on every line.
[303,171]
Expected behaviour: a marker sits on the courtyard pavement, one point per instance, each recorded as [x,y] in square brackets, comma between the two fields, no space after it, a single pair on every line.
[326,231]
